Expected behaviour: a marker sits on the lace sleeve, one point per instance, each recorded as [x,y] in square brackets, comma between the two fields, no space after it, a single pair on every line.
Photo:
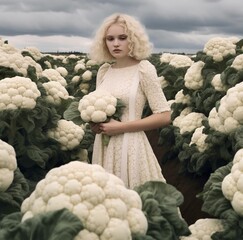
[151,87]
[101,72]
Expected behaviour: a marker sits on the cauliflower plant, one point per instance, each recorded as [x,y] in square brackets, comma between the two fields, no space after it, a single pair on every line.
[167,57]
[54,75]
[219,47]
[232,184]
[198,138]
[107,209]
[79,66]
[55,92]
[34,52]
[184,112]
[97,106]
[17,62]
[63,71]
[193,77]
[87,75]
[180,61]
[217,83]
[229,115]
[190,122]
[204,228]
[8,164]
[18,92]
[181,98]
[84,87]
[238,62]
[67,133]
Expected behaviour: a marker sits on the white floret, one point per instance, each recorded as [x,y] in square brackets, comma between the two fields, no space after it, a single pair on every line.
[191,121]
[181,98]
[63,71]
[97,106]
[238,62]
[87,75]
[229,115]
[204,228]
[18,62]
[54,75]
[18,92]
[67,133]
[219,47]
[232,184]
[198,138]
[34,51]
[193,77]
[106,208]
[217,83]
[55,92]
[181,61]
[166,57]
[8,164]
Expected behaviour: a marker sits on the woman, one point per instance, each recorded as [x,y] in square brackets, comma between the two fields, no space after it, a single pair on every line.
[123,46]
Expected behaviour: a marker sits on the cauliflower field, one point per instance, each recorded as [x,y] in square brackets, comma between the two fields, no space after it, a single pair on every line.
[42,137]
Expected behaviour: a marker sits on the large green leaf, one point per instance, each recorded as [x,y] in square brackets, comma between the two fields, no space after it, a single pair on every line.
[54,225]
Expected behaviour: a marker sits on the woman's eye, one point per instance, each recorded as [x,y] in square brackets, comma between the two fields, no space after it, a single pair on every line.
[109,38]
[123,37]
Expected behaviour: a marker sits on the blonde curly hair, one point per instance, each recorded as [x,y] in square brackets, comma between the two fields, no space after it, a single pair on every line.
[139,44]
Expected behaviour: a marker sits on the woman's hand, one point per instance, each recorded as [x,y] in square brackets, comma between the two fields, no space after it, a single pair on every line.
[95,127]
[111,128]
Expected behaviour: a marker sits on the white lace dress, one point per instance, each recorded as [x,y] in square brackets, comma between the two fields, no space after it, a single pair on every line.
[130,155]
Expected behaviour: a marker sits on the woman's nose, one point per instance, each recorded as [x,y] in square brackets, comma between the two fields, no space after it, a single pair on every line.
[116,42]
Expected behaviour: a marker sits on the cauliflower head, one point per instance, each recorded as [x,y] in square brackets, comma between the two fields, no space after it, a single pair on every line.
[217,83]
[18,92]
[229,115]
[193,77]
[107,209]
[232,184]
[238,62]
[54,75]
[204,228]
[198,138]
[55,92]
[181,61]
[87,75]
[219,47]
[8,164]
[97,106]
[190,122]
[67,133]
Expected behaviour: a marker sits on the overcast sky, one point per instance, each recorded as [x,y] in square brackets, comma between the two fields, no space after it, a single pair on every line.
[69,25]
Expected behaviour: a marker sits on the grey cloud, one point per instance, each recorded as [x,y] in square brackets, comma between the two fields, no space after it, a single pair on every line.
[170,24]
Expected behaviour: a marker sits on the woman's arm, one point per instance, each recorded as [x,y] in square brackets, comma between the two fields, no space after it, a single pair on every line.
[153,121]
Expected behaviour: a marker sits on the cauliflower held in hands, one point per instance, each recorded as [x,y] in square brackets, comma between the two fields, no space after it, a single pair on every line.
[8,164]
[18,92]
[107,209]
[232,185]
[97,106]
[67,133]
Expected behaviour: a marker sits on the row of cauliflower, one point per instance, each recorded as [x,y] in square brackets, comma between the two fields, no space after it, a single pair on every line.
[48,150]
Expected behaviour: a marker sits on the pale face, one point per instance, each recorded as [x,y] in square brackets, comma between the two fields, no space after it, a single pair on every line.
[117,41]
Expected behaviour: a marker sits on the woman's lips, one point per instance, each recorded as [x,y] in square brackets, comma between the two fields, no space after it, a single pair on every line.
[116,50]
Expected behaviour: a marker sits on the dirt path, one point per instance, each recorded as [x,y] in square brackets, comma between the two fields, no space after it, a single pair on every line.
[188,185]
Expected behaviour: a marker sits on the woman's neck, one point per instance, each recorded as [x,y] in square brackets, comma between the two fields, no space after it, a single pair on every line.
[125,62]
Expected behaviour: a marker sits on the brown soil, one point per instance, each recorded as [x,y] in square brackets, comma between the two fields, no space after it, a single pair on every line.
[187,184]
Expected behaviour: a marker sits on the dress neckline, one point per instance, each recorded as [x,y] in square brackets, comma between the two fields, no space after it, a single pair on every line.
[122,68]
